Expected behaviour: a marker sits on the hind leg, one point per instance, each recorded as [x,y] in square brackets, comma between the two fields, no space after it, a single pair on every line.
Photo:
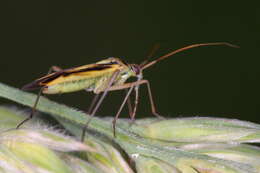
[52,69]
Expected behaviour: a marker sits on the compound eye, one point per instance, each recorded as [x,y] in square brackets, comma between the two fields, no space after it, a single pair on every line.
[135,69]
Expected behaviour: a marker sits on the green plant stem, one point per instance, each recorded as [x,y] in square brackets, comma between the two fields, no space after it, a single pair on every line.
[129,141]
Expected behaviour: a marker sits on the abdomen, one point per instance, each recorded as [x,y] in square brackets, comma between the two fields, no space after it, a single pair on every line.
[71,86]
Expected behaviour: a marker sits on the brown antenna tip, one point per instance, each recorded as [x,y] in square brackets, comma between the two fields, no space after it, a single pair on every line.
[229,44]
[146,65]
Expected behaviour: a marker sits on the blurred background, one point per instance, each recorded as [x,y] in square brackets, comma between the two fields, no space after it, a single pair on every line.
[214,81]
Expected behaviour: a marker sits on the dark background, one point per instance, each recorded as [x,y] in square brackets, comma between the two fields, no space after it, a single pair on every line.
[209,81]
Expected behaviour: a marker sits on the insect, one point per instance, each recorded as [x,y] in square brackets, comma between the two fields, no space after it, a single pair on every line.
[101,77]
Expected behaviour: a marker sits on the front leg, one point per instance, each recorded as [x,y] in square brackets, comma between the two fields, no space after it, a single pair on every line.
[131,86]
[137,83]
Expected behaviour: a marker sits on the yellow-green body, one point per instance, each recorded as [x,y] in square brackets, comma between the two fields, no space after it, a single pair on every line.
[93,77]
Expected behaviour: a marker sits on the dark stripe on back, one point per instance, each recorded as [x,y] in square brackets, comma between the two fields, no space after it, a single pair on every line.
[39,83]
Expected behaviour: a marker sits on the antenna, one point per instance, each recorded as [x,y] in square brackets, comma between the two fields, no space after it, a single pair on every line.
[146,65]
[151,53]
